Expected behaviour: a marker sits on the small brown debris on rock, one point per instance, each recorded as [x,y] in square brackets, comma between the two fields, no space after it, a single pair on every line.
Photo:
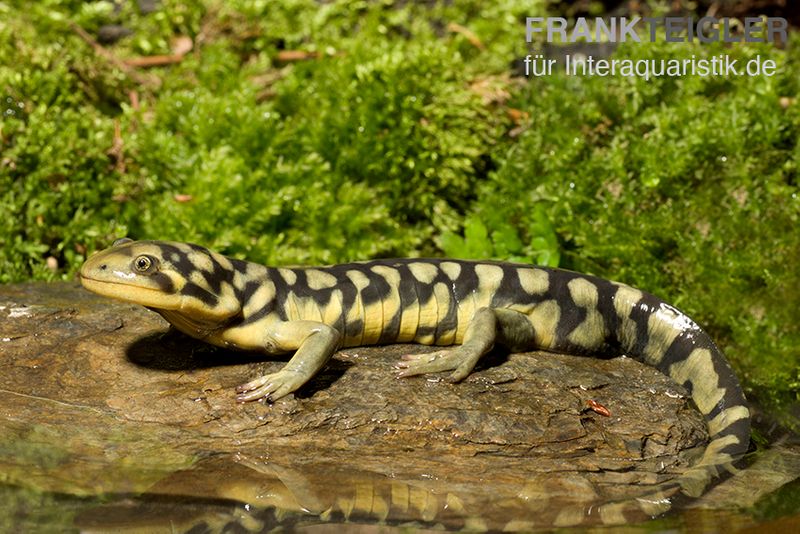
[596,407]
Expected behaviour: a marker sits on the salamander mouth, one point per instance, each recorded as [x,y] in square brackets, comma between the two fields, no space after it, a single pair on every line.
[124,291]
[96,281]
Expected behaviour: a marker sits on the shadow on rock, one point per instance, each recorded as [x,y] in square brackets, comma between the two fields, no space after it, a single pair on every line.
[175,351]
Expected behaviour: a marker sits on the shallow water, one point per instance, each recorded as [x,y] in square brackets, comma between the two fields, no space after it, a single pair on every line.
[237,494]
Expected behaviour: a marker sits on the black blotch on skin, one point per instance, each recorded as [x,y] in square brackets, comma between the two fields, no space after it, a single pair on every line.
[377,289]
[466,283]
[735,429]
[348,291]
[640,315]
[178,259]
[163,282]
[218,275]
[510,290]
[605,305]
[249,290]
[380,289]
[572,315]
[680,349]
[354,328]
[193,290]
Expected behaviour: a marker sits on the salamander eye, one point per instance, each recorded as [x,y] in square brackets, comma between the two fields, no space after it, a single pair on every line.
[144,264]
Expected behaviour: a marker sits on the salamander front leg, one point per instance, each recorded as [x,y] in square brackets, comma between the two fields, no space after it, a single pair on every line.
[315,344]
[506,327]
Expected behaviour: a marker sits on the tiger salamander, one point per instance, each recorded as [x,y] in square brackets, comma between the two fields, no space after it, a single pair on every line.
[469,305]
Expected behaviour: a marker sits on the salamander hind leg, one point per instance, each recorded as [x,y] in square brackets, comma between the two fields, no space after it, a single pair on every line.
[487,327]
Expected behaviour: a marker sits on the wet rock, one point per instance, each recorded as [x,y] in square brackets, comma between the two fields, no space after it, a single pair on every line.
[98,398]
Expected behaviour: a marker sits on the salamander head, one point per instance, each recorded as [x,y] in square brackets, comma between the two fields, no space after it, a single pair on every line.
[164,276]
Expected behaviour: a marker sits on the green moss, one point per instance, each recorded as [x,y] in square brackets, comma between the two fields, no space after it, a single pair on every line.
[55,172]
[783,503]
[290,168]
[686,187]
[396,137]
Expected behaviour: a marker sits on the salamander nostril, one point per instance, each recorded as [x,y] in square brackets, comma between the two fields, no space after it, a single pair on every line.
[103,267]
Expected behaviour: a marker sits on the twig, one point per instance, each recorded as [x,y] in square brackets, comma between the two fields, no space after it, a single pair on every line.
[286,56]
[466,32]
[153,61]
[101,51]
[116,150]
[180,47]
[134,98]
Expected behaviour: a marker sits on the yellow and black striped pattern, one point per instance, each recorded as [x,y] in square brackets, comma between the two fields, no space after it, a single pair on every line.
[471,305]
